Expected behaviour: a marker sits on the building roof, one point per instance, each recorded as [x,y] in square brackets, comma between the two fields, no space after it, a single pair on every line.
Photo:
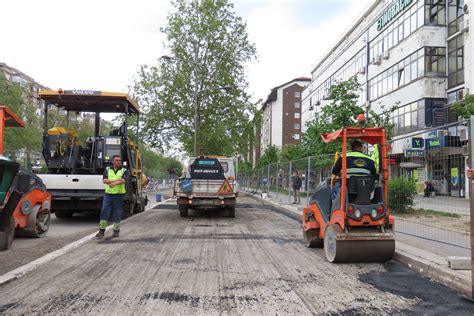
[346,34]
[273,93]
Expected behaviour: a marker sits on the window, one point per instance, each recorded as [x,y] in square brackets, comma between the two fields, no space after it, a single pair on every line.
[297,105]
[297,126]
[435,12]
[297,115]
[455,61]
[455,16]
[409,118]
[403,26]
[409,69]
[296,136]
[435,61]
[297,94]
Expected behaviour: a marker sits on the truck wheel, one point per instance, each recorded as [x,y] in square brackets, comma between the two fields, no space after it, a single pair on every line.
[231,213]
[183,210]
[6,236]
[63,213]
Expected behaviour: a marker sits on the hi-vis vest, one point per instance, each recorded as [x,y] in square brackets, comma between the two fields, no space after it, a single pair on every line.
[359,163]
[111,175]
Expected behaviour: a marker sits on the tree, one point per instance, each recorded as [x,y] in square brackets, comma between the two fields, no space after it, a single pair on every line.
[293,152]
[210,47]
[340,112]
[270,155]
[156,165]
[465,108]
[15,97]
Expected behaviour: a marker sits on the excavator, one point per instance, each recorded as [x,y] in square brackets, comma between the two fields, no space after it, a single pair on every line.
[24,201]
[355,225]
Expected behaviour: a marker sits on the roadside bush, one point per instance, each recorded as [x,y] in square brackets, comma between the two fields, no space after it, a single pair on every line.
[401,193]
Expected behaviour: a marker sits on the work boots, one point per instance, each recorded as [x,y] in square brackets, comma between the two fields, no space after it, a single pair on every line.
[100,234]
[116,233]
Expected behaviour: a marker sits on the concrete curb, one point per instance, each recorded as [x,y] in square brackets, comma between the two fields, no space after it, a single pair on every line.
[406,255]
[27,268]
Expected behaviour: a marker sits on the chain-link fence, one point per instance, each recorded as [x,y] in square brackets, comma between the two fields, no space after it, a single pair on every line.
[428,188]
[433,165]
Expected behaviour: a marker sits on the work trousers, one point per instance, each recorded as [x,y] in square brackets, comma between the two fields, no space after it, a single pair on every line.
[296,195]
[113,203]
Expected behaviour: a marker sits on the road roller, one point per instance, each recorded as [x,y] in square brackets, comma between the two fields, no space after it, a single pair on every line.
[354,223]
[24,200]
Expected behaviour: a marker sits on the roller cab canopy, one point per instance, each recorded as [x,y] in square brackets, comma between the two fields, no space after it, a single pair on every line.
[371,135]
[91,101]
[10,119]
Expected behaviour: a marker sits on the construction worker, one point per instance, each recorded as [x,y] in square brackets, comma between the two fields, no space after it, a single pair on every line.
[357,163]
[114,179]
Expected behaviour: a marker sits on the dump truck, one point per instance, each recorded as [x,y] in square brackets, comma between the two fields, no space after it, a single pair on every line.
[208,182]
[75,167]
[24,201]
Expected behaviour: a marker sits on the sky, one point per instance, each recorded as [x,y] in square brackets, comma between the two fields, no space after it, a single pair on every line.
[99,45]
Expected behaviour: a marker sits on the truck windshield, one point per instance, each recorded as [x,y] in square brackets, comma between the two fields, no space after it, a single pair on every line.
[206,169]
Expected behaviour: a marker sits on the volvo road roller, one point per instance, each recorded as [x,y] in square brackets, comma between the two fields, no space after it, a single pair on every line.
[354,223]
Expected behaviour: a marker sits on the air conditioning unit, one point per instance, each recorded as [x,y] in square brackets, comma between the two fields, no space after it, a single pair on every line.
[461,94]
[464,25]
[361,71]
[441,133]
[317,103]
[386,54]
[311,108]
[465,150]
[464,135]
[377,60]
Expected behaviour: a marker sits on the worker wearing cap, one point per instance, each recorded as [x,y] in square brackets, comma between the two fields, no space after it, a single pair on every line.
[114,179]
[357,163]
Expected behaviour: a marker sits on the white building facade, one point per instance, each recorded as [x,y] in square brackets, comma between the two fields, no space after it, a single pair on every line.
[281,115]
[415,55]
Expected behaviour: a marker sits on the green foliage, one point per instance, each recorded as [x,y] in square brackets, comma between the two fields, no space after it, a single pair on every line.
[293,152]
[244,167]
[465,108]
[209,46]
[156,165]
[340,112]
[401,193]
[15,97]
[270,155]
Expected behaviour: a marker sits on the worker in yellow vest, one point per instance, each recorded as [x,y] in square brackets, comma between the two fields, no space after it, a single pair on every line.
[115,178]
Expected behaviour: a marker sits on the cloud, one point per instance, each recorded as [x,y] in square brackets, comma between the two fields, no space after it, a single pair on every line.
[288,48]
[81,44]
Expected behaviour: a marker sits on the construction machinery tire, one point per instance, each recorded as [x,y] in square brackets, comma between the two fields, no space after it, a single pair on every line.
[38,227]
[6,236]
[311,238]
[231,212]
[183,210]
[63,213]
[350,250]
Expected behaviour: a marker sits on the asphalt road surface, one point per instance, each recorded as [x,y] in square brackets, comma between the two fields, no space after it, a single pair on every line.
[61,232]
[210,264]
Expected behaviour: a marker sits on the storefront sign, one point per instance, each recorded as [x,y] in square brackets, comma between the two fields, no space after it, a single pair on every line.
[436,142]
[392,12]
[414,153]
[417,142]
[455,177]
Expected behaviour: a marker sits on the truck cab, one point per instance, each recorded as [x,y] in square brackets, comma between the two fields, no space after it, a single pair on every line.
[208,182]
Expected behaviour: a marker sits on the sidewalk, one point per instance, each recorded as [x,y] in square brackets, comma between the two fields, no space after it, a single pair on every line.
[426,257]
[448,204]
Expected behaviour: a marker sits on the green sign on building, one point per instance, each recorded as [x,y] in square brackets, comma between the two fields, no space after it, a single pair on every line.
[392,12]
